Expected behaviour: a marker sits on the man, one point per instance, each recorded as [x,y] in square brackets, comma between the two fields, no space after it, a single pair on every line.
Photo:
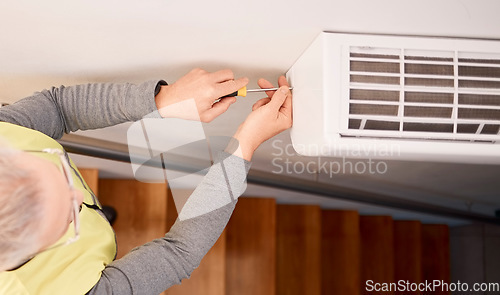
[53,237]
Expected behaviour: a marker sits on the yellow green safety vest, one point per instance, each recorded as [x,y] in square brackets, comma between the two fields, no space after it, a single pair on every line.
[71,269]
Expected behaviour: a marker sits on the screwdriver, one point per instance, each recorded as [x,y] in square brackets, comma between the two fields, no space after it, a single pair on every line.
[243,91]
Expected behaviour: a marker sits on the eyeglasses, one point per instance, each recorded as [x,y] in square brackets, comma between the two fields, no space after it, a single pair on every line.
[75,207]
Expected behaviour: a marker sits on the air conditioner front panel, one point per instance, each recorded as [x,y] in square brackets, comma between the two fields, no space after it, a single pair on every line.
[440,94]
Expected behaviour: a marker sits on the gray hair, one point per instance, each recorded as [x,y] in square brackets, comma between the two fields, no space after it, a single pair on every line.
[20,211]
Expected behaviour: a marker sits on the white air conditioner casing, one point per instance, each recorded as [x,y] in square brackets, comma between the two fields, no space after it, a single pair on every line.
[397,97]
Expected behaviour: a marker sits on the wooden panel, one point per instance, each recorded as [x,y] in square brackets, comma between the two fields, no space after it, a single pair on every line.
[298,250]
[141,210]
[91,177]
[341,269]
[436,254]
[210,277]
[251,248]
[408,252]
[377,250]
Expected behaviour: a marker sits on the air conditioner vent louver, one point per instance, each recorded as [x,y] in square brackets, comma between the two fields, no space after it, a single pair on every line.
[424,94]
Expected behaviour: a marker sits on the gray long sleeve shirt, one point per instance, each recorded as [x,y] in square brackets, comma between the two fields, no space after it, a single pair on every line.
[161,263]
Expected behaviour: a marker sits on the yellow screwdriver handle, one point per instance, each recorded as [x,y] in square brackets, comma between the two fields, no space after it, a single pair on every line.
[241,92]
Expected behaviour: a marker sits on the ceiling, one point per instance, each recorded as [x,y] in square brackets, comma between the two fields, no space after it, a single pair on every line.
[46,43]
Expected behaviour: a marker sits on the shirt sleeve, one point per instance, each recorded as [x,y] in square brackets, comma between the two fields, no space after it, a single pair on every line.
[161,263]
[81,107]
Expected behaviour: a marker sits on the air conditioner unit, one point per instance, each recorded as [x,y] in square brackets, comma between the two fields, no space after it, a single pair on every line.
[398,97]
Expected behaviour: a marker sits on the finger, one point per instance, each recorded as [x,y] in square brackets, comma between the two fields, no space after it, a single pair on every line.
[288,102]
[263,83]
[282,81]
[198,71]
[222,75]
[260,102]
[230,86]
[217,109]
[279,98]
[286,107]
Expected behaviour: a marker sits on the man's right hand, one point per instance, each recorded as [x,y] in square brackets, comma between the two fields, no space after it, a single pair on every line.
[204,89]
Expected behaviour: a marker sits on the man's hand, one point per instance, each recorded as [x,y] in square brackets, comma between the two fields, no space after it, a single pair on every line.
[204,89]
[269,116]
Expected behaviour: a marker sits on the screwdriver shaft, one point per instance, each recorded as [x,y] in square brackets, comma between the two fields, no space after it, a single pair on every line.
[265,89]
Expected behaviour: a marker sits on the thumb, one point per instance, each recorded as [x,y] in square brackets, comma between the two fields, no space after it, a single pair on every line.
[279,98]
